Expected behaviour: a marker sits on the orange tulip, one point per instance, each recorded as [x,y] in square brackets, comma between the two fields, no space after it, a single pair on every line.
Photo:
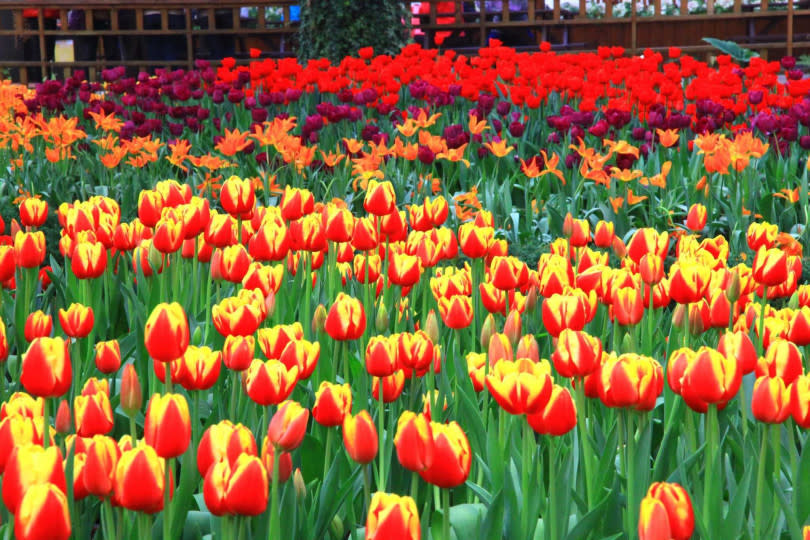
[237,352]
[224,441]
[346,319]
[77,321]
[28,466]
[166,335]
[237,197]
[238,488]
[678,507]
[392,517]
[770,401]
[270,383]
[456,312]
[108,356]
[630,380]
[452,456]
[93,414]
[33,212]
[558,416]
[37,324]
[29,249]
[577,354]
[88,260]
[332,403]
[360,437]
[710,378]
[414,441]
[140,480]
[380,198]
[46,368]
[168,425]
[288,426]
[43,513]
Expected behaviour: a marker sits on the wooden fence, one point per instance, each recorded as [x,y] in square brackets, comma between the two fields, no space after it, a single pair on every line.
[141,34]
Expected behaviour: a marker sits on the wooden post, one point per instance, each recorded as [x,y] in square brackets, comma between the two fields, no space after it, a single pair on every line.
[790,28]
[608,9]
[189,40]
[43,53]
[583,8]
[633,29]
[710,7]
[737,6]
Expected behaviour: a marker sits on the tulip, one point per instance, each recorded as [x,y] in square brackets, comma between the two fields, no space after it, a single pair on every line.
[200,368]
[414,441]
[770,402]
[169,235]
[332,403]
[508,273]
[295,203]
[761,235]
[237,352]
[43,513]
[381,356]
[521,387]
[475,241]
[288,426]
[346,319]
[284,461]
[37,324]
[166,334]
[29,249]
[140,480]
[710,378]
[131,393]
[22,404]
[799,327]
[46,368]
[688,281]
[558,416]
[33,212]
[678,507]
[782,359]
[360,437]
[577,354]
[168,425]
[93,414]
[380,198]
[456,312]
[237,197]
[7,263]
[273,341]
[452,456]
[404,270]
[738,345]
[238,488]
[392,517]
[270,383]
[696,218]
[578,231]
[628,306]
[30,465]
[564,311]
[108,356]
[653,523]
[224,441]
[77,321]
[392,386]
[799,404]
[630,380]
[647,240]
[101,457]
[88,260]
[603,234]
[770,267]
[150,206]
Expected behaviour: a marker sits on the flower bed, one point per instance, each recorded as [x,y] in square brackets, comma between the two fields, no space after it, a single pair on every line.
[537,296]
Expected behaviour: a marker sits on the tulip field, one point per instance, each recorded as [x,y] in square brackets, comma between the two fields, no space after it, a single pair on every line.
[508,296]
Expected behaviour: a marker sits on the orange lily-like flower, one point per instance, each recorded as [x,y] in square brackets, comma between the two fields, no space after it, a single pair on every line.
[454,154]
[423,121]
[625,175]
[658,180]
[477,127]
[621,147]
[180,151]
[667,137]
[108,122]
[467,203]
[233,142]
[499,148]
[790,195]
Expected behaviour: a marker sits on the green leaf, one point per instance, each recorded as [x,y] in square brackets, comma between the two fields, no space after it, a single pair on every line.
[590,521]
[492,528]
[803,488]
[732,49]
[736,508]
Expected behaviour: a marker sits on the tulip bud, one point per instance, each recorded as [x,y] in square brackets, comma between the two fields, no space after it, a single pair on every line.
[300,486]
[131,393]
[733,287]
[512,327]
[108,356]
[696,326]
[382,320]
[432,326]
[62,420]
[336,527]
[678,315]
[487,331]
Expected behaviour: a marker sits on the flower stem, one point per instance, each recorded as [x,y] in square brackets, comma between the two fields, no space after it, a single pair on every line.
[587,452]
[274,530]
[446,514]
[382,480]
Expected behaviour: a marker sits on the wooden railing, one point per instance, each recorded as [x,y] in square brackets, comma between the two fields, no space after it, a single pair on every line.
[128,32]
